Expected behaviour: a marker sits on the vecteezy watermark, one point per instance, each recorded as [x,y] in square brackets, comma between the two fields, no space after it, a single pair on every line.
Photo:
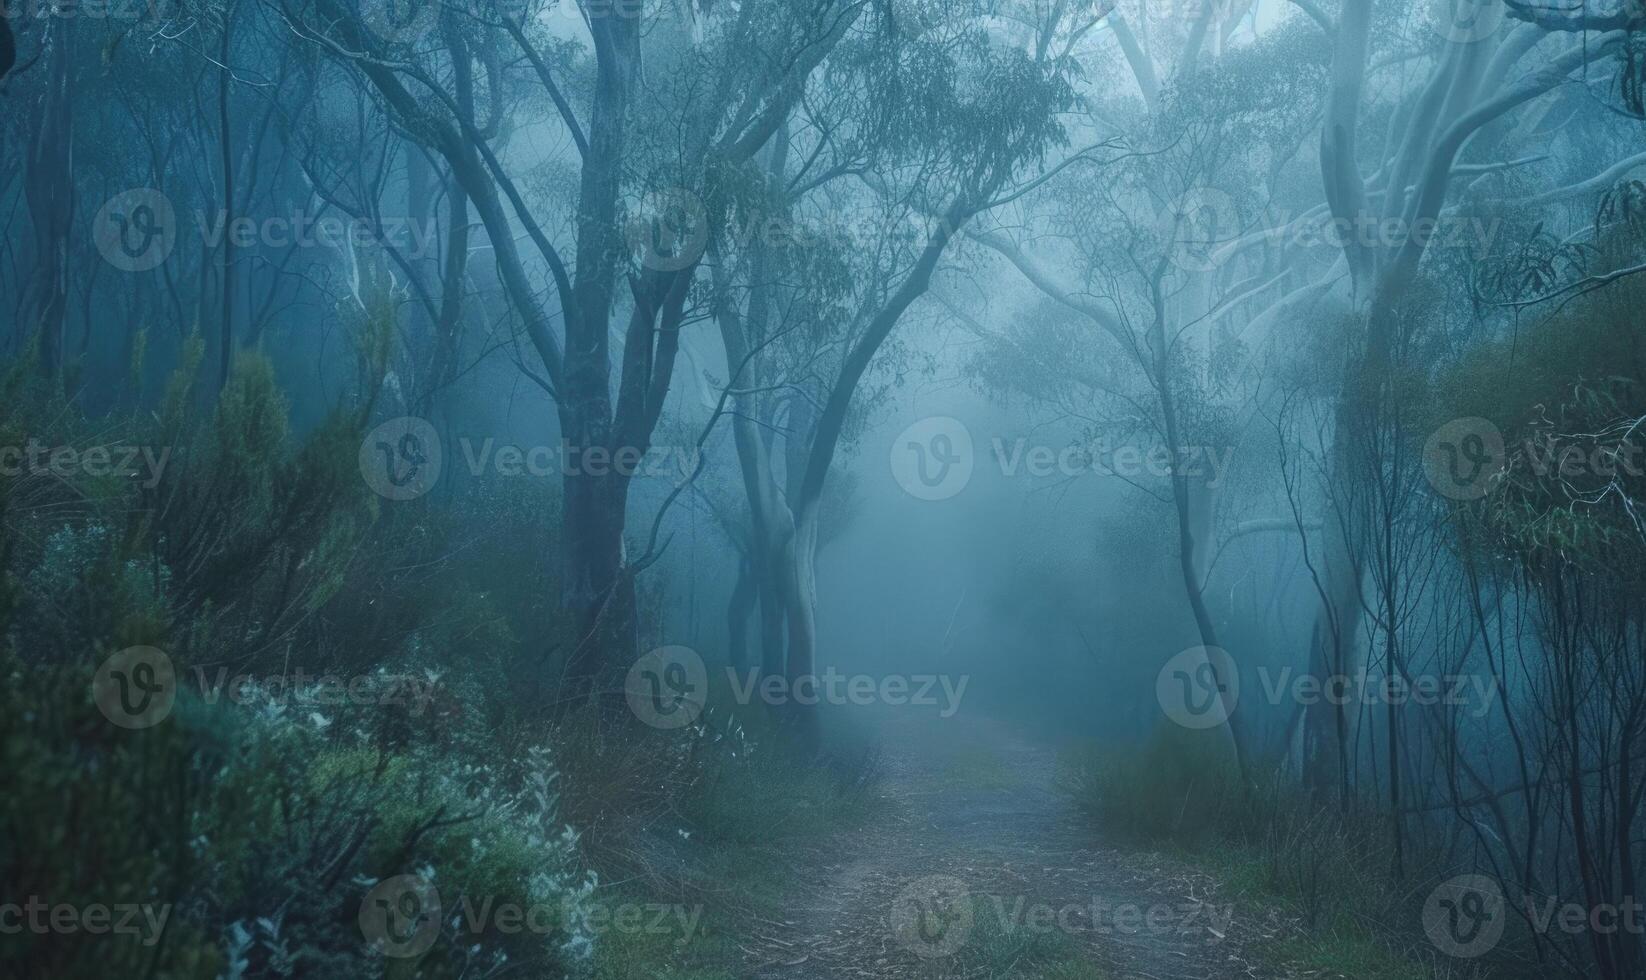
[400,21]
[409,21]
[1101,917]
[1466,459]
[1466,21]
[137,230]
[35,458]
[1380,231]
[1204,227]
[668,688]
[630,462]
[1550,914]
[1195,226]
[1199,688]
[667,229]
[1130,462]
[934,459]
[401,458]
[300,689]
[1452,690]
[135,687]
[402,916]
[415,239]
[1465,916]
[1463,457]
[940,691]
[934,916]
[121,10]
[143,921]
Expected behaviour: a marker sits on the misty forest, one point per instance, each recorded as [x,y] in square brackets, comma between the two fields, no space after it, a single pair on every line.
[813,489]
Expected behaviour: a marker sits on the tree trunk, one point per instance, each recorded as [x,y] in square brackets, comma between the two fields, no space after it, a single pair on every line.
[800,604]
[739,610]
[772,618]
[1192,563]
[1328,729]
[226,147]
[443,358]
[598,592]
[49,188]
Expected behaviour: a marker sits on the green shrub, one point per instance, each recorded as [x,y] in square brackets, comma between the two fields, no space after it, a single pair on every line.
[1180,787]
[255,832]
[258,826]
[1330,869]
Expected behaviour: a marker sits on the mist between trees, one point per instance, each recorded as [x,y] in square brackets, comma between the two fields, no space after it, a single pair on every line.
[810,472]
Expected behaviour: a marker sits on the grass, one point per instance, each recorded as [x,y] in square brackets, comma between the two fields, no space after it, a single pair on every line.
[1327,872]
[711,817]
[1351,953]
[976,768]
[624,956]
[997,948]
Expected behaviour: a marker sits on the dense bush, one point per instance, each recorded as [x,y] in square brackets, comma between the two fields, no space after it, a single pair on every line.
[255,833]
[253,819]
[265,825]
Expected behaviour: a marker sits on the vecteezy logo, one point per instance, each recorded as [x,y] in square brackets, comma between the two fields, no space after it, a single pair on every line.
[1464,916]
[401,458]
[398,21]
[1199,687]
[136,687]
[1462,458]
[932,917]
[668,230]
[668,687]
[135,230]
[401,915]
[932,459]
[1466,21]
[1196,226]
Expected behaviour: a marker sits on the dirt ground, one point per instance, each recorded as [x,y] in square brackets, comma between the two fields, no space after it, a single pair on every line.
[972,817]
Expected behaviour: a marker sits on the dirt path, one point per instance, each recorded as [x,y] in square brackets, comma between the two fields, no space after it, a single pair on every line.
[973,820]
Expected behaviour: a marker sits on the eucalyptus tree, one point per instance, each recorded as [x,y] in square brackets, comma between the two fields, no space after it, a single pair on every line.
[1394,182]
[915,131]
[667,99]
[48,189]
[1134,259]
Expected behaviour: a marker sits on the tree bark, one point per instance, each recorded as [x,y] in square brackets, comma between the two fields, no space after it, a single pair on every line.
[49,188]
[226,148]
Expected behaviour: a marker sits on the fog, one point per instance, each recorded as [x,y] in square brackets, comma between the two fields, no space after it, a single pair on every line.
[705,489]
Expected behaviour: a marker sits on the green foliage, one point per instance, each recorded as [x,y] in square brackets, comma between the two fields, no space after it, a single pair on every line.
[1180,787]
[1329,870]
[1567,392]
[998,947]
[256,833]
[264,530]
[252,823]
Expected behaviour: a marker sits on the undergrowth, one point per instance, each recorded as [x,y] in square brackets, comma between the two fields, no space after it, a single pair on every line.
[1327,873]
[363,722]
